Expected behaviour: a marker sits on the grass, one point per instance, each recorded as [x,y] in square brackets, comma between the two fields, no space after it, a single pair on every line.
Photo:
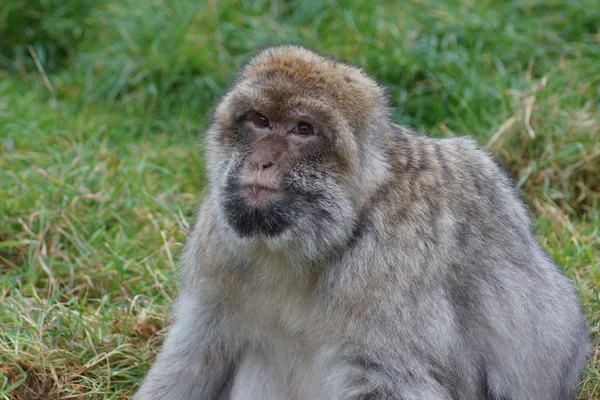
[100,163]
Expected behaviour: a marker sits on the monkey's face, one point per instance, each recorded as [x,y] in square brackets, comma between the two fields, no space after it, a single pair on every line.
[282,172]
[276,163]
[265,190]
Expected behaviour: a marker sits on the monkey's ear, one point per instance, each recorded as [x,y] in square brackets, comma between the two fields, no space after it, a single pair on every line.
[386,93]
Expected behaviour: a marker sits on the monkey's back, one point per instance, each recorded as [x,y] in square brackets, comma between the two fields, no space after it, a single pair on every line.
[468,292]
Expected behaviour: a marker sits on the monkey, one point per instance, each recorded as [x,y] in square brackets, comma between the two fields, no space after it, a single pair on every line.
[339,255]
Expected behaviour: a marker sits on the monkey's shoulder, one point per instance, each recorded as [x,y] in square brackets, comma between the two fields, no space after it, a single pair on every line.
[444,182]
[443,168]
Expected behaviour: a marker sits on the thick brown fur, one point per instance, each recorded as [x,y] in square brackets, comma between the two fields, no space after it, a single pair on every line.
[382,264]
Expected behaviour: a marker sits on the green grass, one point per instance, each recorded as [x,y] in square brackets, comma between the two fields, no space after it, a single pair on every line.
[100,162]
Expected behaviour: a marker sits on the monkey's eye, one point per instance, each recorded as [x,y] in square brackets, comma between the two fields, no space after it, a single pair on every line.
[260,120]
[304,129]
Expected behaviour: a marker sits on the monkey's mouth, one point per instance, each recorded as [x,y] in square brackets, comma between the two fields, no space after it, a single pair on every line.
[258,195]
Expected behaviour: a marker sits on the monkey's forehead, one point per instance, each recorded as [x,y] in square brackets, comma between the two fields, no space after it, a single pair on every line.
[349,85]
[300,63]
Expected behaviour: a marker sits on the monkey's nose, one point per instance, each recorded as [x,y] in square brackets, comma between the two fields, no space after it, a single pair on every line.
[267,164]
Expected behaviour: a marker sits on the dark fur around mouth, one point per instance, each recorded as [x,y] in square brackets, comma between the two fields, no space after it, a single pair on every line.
[270,221]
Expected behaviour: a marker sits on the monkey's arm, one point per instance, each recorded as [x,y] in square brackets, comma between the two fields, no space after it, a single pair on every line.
[196,360]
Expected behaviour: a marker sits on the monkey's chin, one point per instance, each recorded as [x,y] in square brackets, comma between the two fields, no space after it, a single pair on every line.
[264,213]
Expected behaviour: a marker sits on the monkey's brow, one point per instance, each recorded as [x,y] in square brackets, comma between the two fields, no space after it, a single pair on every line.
[298,109]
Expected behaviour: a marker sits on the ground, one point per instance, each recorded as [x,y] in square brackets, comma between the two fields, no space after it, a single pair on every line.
[102,109]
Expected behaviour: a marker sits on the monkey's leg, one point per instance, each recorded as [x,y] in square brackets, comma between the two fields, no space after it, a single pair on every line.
[195,362]
[387,381]
[418,392]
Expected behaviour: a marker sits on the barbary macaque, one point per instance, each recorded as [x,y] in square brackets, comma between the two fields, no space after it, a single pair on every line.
[338,255]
